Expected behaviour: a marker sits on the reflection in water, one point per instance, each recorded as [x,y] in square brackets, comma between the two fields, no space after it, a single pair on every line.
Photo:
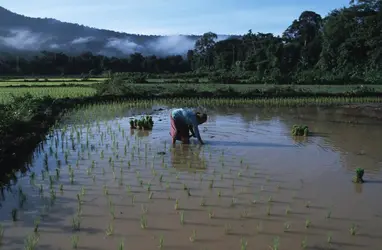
[142,133]
[358,187]
[190,157]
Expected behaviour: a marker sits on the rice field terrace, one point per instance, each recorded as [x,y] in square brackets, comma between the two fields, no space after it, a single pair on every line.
[54,92]
[42,83]
[96,184]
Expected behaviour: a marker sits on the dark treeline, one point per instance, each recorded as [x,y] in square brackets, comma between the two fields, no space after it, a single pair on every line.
[343,47]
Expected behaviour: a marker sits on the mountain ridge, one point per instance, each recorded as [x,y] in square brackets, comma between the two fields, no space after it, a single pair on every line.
[30,34]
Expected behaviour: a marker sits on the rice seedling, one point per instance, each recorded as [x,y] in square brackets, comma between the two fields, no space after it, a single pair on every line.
[1,234]
[121,245]
[182,218]
[105,190]
[276,244]
[219,193]
[227,228]
[287,210]
[111,210]
[22,200]
[211,213]
[32,178]
[329,238]
[304,243]
[74,240]
[211,184]
[269,210]
[76,223]
[233,202]
[286,226]
[300,130]
[151,195]
[358,178]
[31,242]
[202,202]
[353,229]
[193,236]
[270,199]
[161,241]
[110,229]
[128,189]
[307,223]
[53,196]
[14,214]
[329,214]
[143,222]
[243,244]
[307,204]
[133,200]
[36,224]
[176,206]
[144,209]
[259,227]
[61,188]
[244,214]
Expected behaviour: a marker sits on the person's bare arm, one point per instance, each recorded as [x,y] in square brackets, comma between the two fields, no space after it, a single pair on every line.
[197,134]
[192,131]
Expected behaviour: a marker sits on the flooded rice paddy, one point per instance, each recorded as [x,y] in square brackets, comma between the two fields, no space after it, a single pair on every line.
[96,184]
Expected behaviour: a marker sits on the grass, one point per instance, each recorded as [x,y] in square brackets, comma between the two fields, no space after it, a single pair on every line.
[74,241]
[31,242]
[110,229]
[56,92]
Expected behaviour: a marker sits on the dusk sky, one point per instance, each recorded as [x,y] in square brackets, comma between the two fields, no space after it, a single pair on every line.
[171,17]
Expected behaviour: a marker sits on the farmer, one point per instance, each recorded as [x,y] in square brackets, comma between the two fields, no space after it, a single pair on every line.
[183,121]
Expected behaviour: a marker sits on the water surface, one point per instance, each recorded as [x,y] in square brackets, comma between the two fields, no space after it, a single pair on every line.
[251,177]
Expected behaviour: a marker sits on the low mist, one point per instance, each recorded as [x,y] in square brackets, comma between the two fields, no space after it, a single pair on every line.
[24,39]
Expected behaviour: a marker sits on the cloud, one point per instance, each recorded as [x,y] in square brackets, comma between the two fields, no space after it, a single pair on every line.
[23,40]
[123,45]
[80,40]
[174,45]
[54,46]
[171,45]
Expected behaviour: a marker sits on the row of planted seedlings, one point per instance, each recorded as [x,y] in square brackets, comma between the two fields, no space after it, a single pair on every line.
[116,108]
[100,142]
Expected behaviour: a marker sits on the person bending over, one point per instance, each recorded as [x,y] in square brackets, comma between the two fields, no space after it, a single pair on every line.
[182,122]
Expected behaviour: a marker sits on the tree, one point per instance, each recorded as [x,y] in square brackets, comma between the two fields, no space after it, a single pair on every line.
[204,47]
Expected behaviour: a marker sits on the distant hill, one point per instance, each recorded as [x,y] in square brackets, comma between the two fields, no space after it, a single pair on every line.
[24,34]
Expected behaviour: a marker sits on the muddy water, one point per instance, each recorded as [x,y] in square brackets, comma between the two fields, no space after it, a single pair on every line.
[251,183]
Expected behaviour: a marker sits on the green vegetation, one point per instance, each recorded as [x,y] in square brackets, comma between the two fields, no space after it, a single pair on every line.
[7,94]
[300,130]
[145,122]
[358,178]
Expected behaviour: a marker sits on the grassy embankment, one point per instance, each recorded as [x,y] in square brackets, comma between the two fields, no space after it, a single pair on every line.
[26,118]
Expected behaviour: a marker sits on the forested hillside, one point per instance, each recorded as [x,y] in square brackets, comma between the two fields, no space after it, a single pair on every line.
[343,47]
